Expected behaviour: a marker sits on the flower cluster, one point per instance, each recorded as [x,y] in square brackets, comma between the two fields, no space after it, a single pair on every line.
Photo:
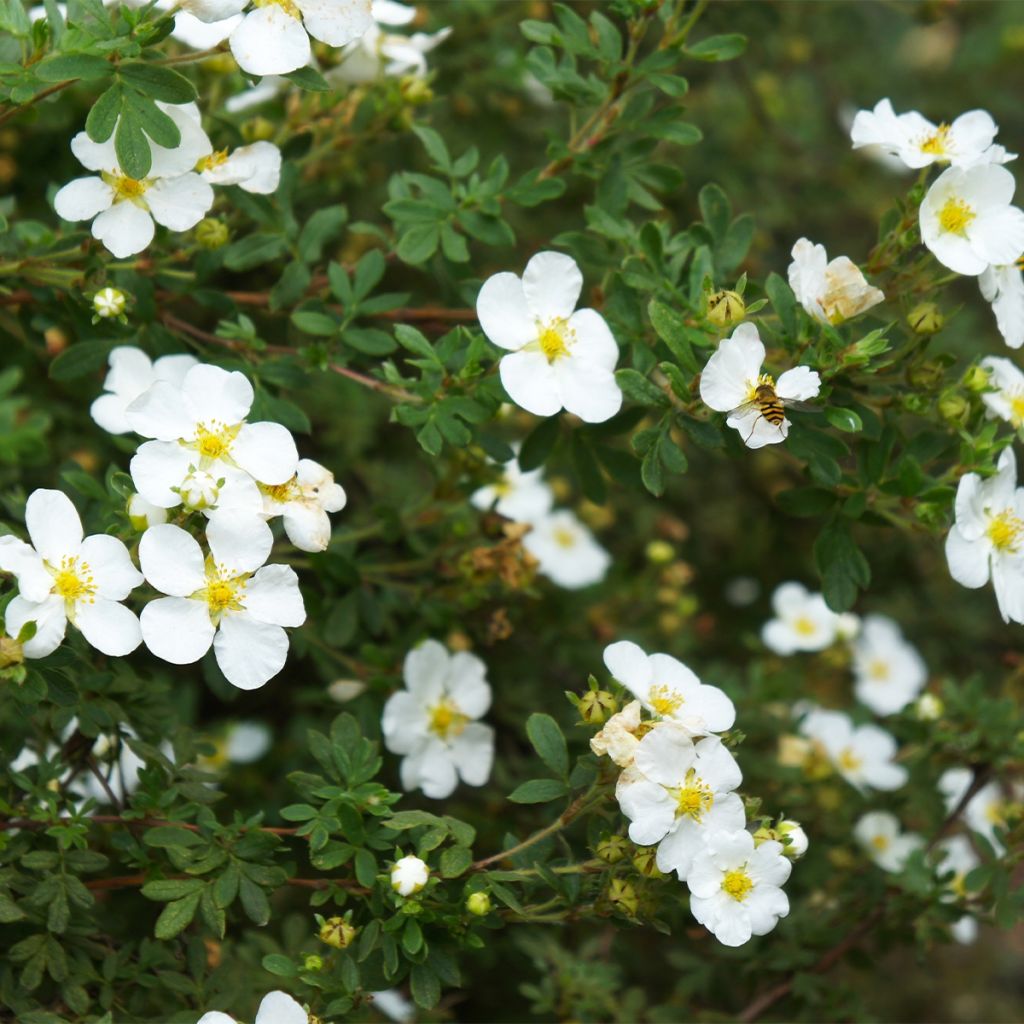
[678,790]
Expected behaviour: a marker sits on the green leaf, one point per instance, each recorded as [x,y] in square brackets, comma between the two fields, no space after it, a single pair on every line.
[723,47]
[546,736]
[171,888]
[309,79]
[455,861]
[651,471]
[844,419]
[538,791]
[538,444]
[320,325]
[253,251]
[167,835]
[636,386]
[254,901]
[68,66]
[321,228]
[434,145]
[671,327]
[176,916]
[415,341]
[282,966]
[159,83]
[783,301]
[805,501]
[79,359]
[131,145]
[99,125]
[419,243]
[841,564]
[716,211]
[426,989]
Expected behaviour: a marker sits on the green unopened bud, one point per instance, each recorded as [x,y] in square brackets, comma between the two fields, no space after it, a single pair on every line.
[212,233]
[915,403]
[926,376]
[109,303]
[645,861]
[926,318]
[954,408]
[11,652]
[337,932]
[313,963]
[660,552]
[258,129]
[596,706]
[932,512]
[765,835]
[478,903]
[623,897]
[415,90]
[928,708]
[725,308]
[612,849]
[977,379]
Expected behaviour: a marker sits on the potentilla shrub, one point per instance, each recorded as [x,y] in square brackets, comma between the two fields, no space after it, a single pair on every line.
[469,580]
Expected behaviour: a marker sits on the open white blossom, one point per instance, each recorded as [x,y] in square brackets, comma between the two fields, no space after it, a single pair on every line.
[666,687]
[918,143]
[254,168]
[132,373]
[409,875]
[987,539]
[65,577]
[879,833]
[959,858]
[732,382]
[303,503]
[1006,399]
[967,221]
[521,497]
[231,601]
[394,1005]
[803,622]
[558,359]
[829,292]
[566,550]
[433,723]
[863,754]
[618,739]
[276,1008]
[985,811]
[736,888]
[239,743]
[676,791]
[123,209]
[1003,287]
[888,671]
[201,438]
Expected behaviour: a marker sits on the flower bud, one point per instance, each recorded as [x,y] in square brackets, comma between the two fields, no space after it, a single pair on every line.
[798,841]
[478,903]
[199,491]
[915,403]
[612,849]
[725,308]
[660,552]
[765,835]
[954,408]
[312,962]
[645,861]
[415,90]
[596,706]
[926,376]
[928,708]
[258,129]
[926,318]
[623,897]
[11,652]
[977,379]
[109,303]
[337,932]
[56,340]
[409,875]
[212,233]
[142,514]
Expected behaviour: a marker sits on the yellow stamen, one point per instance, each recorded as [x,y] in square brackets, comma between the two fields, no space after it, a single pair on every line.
[1017,410]
[935,144]
[994,813]
[222,592]
[288,6]
[127,189]
[664,700]
[282,493]
[446,720]
[955,215]
[213,440]
[73,580]
[215,159]
[880,843]
[694,798]
[879,669]
[848,760]
[804,626]
[554,338]
[1004,531]
[766,380]
[737,884]
[564,537]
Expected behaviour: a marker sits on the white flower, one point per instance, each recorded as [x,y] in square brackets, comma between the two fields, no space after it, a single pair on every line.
[863,754]
[276,1008]
[667,688]
[240,743]
[732,382]
[1003,287]
[736,888]
[558,358]
[382,53]
[967,220]
[798,841]
[1007,399]
[393,1004]
[228,600]
[303,502]
[918,143]
[144,514]
[109,303]
[984,811]
[929,708]
[958,858]
[64,578]
[618,739]
[830,292]
[123,209]
[200,428]
[879,833]
[273,39]
[676,791]
[889,672]
[566,551]
[433,723]
[131,374]
[409,875]
[521,497]
[987,538]
[255,168]
[803,622]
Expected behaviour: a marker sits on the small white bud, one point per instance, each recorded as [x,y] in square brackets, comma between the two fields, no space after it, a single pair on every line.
[199,490]
[109,303]
[798,841]
[144,514]
[409,875]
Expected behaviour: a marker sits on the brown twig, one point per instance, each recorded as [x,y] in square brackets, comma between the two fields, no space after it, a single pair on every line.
[114,819]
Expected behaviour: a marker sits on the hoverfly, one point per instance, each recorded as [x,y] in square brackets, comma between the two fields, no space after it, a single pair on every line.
[769,406]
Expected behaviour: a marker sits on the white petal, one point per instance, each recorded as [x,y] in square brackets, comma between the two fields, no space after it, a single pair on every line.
[552,283]
[433,769]
[467,684]
[161,412]
[732,369]
[249,653]
[628,663]
[270,42]
[21,559]
[53,524]
[111,565]
[238,541]
[50,620]
[108,412]
[124,229]
[798,384]
[425,670]
[179,203]
[472,753]
[503,314]
[335,22]
[665,754]
[588,390]
[255,168]
[83,199]
[1008,583]
[531,382]
[215,394]
[177,629]
[403,723]
[997,235]
[272,595]
[280,1008]
[108,626]
[307,527]
[968,559]
[266,451]
[593,341]
[95,156]
[157,467]
[172,560]
[211,11]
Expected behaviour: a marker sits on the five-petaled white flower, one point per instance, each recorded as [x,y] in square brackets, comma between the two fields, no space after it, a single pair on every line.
[275,1008]
[201,438]
[987,539]
[65,577]
[862,754]
[409,875]
[521,497]
[433,723]
[676,791]
[888,671]
[918,143]
[255,168]
[230,600]
[732,382]
[959,860]
[735,887]
[1003,287]
[986,809]
[1006,400]
[667,688]
[566,550]
[122,209]
[303,503]
[829,292]
[967,221]
[803,622]
[131,374]
[239,743]
[881,836]
[558,359]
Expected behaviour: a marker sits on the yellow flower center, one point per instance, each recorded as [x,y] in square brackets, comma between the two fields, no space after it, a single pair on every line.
[879,669]
[1017,409]
[694,798]
[222,592]
[215,159]
[766,380]
[288,6]
[213,440]
[554,339]
[737,884]
[1004,531]
[447,720]
[958,885]
[73,580]
[955,215]
[880,843]
[804,626]
[127,189]
[935,145]
[282,493]
[664,700]
[848,760]
[994,813]
[564,537]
